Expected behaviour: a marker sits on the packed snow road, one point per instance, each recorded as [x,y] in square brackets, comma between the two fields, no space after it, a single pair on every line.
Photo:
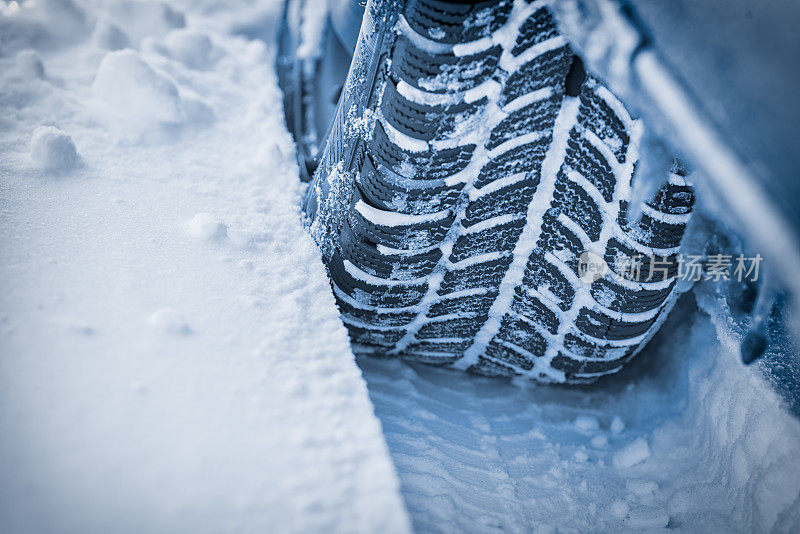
[171,358]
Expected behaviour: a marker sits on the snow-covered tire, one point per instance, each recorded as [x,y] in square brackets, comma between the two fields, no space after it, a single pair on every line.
[471,163]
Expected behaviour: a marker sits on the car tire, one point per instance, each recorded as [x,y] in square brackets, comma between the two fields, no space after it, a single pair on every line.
[473,193]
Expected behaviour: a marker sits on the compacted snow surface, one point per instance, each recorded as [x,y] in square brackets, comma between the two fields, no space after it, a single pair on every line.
[171,358]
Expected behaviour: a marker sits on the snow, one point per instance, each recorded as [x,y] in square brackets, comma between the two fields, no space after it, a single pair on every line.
[170,321]
[634,453]
[171,358]
[617,425]
[314,17]
[586,423]
[53,150]
[29,65]
[142,20]
[193,49]
[600,441]
[646,517]
[206,227]
[391,218]
[684,437]
[130,89]
[109,36]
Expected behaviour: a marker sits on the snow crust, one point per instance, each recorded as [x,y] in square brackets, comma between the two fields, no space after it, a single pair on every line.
[171,358]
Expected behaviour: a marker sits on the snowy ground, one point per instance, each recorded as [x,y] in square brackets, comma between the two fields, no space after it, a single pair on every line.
[170,355]
[684,439]
[171,358]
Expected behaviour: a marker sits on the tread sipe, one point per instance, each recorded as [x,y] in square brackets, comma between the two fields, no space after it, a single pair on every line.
[471,163]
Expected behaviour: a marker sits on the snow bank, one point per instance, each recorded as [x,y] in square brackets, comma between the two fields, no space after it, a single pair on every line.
[160,370]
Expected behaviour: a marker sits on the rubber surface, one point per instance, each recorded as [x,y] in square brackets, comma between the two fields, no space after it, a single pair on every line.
[471,164]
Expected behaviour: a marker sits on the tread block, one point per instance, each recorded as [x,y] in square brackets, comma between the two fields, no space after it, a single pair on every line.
[587,160]
[560,240]
[423,69]
[587,349]
[619,299]
[496,239]
[534,310]
[522,335]
[620,257]
[488,274]
[673,199]
[574,202]
[488,367]
[406,237]
[510,200]
[546,70]
[539,27]
[447,348]
[366,257]
[379,296]
[544,277]
[571,366]
[524,158]
[508,355]
[462,327]
[380,338]
[657,234]
[536,117]
[431,165]
[404,196]
[373,316]
[421,121]
[479,304]
[602,326]
[452,22]
[595,114]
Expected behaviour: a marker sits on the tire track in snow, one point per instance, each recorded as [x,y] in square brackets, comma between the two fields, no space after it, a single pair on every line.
[643,448]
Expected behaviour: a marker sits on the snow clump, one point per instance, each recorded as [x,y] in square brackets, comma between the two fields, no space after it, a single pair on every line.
[206,227]
[53,150]
[634,453]
[131,89]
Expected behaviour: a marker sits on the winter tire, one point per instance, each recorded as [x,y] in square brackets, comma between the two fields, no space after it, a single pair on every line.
[472,175]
